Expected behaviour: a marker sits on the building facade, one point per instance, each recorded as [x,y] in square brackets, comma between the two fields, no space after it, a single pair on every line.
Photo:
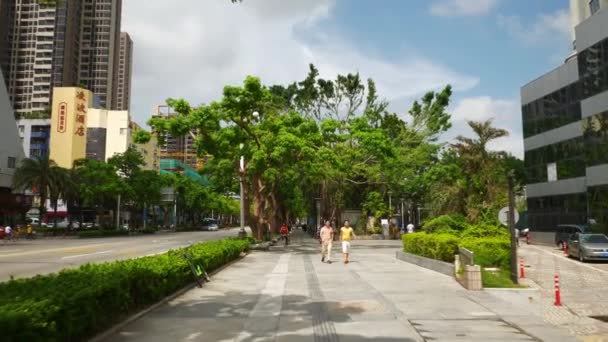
[565,128]
[11,153]
[69,125]
[100,39]
[123,73]
[35,135]
[176,148]
[71,43]
[150,150]
[108,133]
[42,51]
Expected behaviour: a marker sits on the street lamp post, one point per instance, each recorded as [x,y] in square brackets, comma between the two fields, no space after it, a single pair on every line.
[402,216]
[242,232]
[390,206]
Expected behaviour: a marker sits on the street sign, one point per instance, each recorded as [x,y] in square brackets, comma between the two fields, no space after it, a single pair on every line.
[503,216]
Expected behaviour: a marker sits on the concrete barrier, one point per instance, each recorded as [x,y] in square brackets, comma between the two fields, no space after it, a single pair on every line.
[431,264]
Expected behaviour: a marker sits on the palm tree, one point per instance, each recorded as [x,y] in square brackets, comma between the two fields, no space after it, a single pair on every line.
[35,173]
[485,133]
[58,183]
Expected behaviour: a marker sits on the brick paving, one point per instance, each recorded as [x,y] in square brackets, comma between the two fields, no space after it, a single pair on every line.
[584,291]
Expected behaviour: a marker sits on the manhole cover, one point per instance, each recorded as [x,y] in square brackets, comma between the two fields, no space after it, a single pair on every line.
[600,318]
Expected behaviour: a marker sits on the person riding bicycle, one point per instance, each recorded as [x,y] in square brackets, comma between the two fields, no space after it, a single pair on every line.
[285,233]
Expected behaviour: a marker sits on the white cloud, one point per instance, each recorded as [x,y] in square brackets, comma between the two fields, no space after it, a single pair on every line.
[546,28]
[506,114]
[457,8]
[194,49]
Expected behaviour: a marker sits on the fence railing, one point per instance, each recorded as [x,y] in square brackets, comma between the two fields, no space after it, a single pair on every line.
[466,256]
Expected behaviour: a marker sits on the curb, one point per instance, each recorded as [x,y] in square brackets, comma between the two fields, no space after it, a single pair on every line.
[113,330]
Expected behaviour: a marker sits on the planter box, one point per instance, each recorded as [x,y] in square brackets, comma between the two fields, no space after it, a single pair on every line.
[431,264]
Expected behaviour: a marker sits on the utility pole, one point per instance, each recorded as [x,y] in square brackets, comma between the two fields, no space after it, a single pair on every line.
[118,213]
[511,220]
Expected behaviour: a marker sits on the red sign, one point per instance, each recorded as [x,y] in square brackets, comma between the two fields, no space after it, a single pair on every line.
[62,116]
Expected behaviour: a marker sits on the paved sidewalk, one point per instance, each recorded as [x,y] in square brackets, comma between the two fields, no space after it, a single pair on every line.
[584,291]
[289,295]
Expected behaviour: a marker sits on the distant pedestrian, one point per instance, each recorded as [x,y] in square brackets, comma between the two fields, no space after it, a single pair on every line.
[410,228]
[347,234]
[9,233]
[327,236]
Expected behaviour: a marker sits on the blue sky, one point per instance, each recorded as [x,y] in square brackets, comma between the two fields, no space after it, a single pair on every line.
[487,49]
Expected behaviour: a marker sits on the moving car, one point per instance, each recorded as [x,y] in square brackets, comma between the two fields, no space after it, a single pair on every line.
[210,224]
[34,221]
[588,247]
[565,231]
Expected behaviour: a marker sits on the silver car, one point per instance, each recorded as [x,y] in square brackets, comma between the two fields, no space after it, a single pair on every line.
[588,247]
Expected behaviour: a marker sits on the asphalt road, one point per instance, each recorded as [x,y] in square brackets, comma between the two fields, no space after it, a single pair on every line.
[28,258]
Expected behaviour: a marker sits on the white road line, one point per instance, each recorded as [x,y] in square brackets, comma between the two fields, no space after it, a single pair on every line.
[10,250]
[81,255]
[570,260]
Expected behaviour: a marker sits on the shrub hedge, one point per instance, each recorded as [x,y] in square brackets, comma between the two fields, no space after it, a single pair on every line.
[485,230]
[74,305]
[490,251]
[436,246]
[102,233]
[446,224]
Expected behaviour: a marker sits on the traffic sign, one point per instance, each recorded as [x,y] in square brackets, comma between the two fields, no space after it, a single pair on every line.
[503,216]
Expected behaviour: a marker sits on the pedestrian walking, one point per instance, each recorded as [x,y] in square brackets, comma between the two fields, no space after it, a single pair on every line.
[8,234]
[410,228]
[327,236]
[347,234]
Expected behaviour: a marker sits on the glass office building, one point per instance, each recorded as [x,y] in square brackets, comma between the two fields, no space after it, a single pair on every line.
[565,127]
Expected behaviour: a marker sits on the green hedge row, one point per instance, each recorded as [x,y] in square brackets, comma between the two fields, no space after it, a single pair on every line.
[489,251]
[74,305]
[102,233]
[436,246]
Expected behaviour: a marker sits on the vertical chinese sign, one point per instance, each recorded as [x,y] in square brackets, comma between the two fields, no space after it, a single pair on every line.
[62,117]
[80,117]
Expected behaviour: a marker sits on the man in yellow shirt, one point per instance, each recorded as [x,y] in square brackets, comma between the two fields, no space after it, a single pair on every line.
[346,235]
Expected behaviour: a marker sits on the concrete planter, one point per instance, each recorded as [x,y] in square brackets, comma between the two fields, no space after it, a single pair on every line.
[431,264]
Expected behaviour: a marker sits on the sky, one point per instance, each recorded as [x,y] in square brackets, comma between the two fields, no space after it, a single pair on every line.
[486,49]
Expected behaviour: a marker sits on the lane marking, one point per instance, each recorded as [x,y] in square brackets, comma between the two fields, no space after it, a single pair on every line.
[63,249]
[81,255]
[10,251]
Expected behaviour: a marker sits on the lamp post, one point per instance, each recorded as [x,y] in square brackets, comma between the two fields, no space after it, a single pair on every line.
[242,199]
[402,215]
[390,206]
[242,232]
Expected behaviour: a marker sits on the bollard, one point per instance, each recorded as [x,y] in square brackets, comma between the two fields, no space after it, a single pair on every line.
[558,296]
[522,273]
[566,248]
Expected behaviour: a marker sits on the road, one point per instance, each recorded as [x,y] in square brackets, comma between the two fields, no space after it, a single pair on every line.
[28,258]
[583,290]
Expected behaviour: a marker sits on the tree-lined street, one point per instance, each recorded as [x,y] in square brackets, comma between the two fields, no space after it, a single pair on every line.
[291,296]
[28,258]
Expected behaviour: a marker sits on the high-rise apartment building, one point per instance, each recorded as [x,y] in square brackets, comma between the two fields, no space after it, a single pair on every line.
[123,73]
[565,128]
[42,51]
[176,148]
[100,39]
[70,43]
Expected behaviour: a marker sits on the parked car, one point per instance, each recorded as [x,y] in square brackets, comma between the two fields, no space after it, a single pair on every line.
[565,231]
[34,221]
[588,246]
[210,224]
[2,233]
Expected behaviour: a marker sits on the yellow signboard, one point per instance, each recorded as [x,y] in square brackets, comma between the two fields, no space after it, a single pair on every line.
[68,125]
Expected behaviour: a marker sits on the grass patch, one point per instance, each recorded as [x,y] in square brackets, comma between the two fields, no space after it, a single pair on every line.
[499,279]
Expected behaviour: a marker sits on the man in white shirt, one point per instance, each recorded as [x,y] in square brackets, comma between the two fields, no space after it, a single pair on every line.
[410,228]
[8,231]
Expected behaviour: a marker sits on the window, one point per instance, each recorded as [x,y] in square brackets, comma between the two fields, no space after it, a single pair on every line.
[12,162]
[21,129]
[123,131]
[594,5]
